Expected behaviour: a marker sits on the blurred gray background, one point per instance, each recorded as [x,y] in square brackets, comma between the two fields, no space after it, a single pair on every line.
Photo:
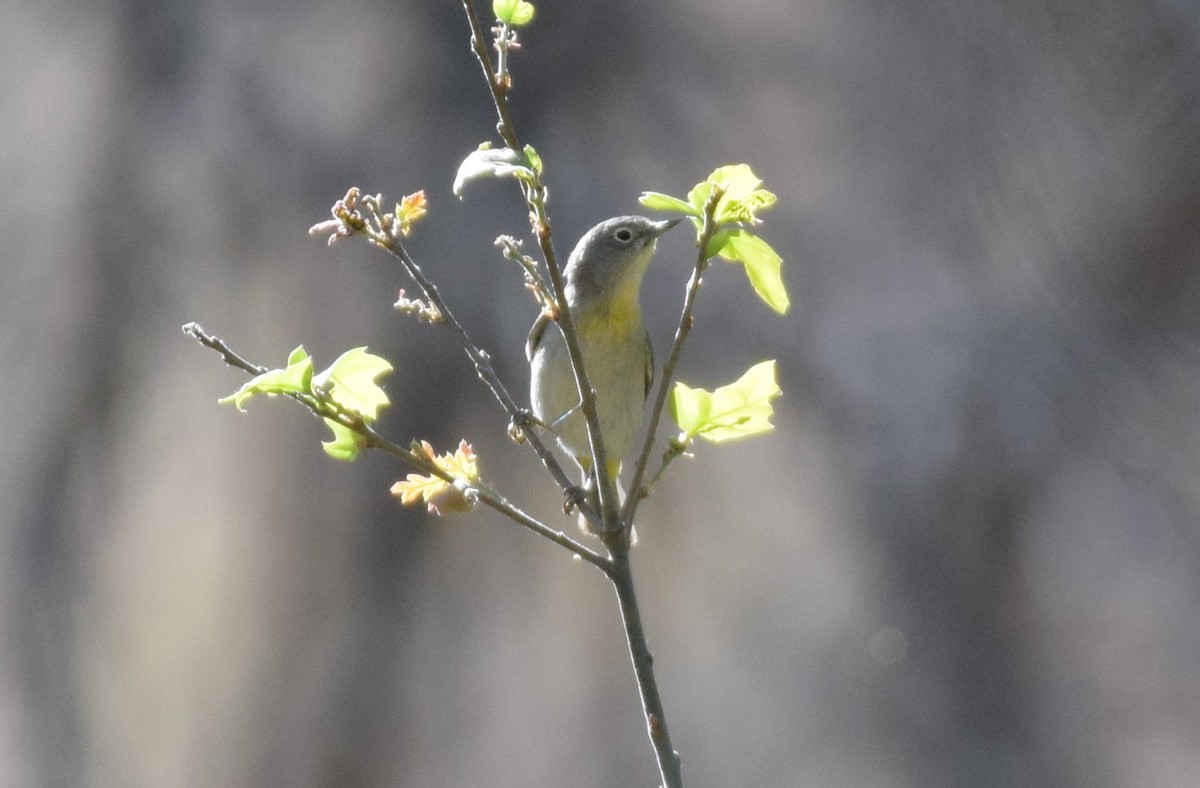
[968,555]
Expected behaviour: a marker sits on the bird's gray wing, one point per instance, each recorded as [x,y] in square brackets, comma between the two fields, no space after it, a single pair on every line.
[649,364]
[535,335]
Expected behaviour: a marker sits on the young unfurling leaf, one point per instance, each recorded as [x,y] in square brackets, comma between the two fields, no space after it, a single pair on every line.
[742,198]
[350,382]
[439,495]
[296,378]
[409,211]
[346,444]
[738,410]
[761,262]
[656,201]
[488,162]
[513,12]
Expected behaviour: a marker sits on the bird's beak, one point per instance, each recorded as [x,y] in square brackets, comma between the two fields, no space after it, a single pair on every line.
[663,226]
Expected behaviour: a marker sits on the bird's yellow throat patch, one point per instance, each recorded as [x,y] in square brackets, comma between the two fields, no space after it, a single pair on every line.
[619,316]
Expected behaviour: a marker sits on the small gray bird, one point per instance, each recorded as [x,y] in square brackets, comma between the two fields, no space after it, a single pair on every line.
[603,280]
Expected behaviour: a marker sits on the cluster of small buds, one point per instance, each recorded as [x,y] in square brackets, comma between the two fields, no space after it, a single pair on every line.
[381,223]
[746,209]
[505,37]
[350,219]
[418,309]
[387,227]
[534,283]
[346,221]
[505,41]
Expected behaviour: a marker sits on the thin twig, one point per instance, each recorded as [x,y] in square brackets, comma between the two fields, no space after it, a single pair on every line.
[197,332]
[324,409]
[615,526]
[491,498]
[505,127]
[381,229]
[675,449]
[482,362]
[605,483]
[643,666]
[709,226]
[535,195]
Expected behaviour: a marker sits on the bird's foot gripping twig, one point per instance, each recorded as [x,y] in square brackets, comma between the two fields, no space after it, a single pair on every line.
[521,422]
[574,498]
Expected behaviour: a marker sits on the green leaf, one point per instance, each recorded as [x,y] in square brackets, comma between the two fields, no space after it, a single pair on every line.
[535,161]
[738,410]
[298,355]
[488,162]
[513,12]
[346,444]
[738,180]
[717,243]
[761,262]
[698,196]
[665,202]
[296,378]
[742,198]
[350,382]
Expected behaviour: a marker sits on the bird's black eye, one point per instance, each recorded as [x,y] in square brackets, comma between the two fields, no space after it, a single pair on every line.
[623,234]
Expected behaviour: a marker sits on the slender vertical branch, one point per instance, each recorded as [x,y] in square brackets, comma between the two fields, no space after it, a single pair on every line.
[684,328]
[535,196]
[613,530]
[605,484]
[621,575]
[505,127]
